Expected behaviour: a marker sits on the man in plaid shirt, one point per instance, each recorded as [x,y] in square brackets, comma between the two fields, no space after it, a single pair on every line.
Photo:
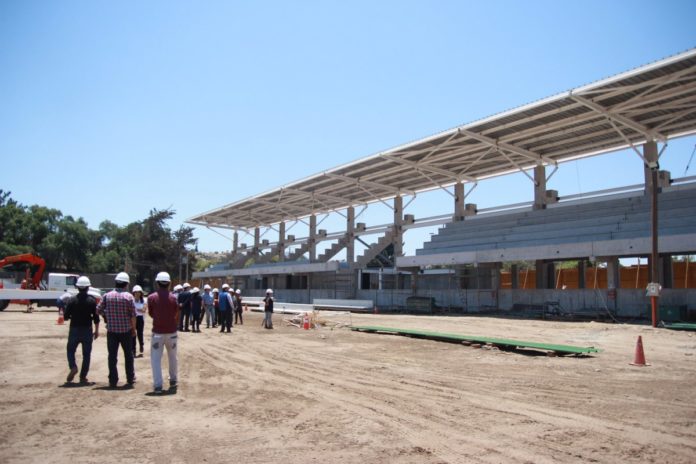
[118,309]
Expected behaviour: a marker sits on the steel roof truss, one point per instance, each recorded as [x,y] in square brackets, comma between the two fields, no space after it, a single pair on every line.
[507,146]
[611,116]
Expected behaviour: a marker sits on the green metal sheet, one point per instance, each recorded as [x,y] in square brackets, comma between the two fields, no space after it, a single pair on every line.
[561,349]
[679,326]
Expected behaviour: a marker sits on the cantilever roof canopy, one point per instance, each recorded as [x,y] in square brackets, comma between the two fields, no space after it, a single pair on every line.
[653,102]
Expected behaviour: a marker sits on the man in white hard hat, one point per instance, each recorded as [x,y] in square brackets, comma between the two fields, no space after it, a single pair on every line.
[81,311]
[118,309]
[184,300]
[226,305]
[208,306]
[164,311]
[268,310]
[238,307]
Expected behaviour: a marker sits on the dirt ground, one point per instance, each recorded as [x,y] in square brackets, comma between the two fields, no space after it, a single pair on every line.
[293,396]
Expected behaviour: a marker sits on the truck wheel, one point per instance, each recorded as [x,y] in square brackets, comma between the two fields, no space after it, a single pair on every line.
[4,304]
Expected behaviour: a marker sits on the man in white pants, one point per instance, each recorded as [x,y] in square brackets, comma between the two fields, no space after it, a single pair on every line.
[164,311]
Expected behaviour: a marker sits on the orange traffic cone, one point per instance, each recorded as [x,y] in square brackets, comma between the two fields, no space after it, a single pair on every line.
[305,322]
[61,319]
[639,358]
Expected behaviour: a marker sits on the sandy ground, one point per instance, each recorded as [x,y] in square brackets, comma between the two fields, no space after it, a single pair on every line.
[292,396]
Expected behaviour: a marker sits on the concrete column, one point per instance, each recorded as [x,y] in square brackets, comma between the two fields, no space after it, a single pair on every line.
[666,275]
[581,274]
[257,239]
[495,276]
[414,282]
[312,238]
[539,187]
[350,232]
[398,226]
[458,202]
[281,241]
[541,273]
[650,155]
[515,276]
[613,277]
[235,242]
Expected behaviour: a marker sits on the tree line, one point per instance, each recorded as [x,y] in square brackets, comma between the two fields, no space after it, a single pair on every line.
[142,248]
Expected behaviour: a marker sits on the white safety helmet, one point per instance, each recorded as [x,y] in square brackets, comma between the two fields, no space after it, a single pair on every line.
[269,291]
[122,277]
[187,285]
[83,282]
[137,288]
[225,286]
[238,292]
[195,290]
[178,288]
[215,290]
[206,287]
[163,277]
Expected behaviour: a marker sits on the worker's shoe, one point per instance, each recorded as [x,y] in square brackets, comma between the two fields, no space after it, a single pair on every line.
[158,391]
[71,374]
[84,380]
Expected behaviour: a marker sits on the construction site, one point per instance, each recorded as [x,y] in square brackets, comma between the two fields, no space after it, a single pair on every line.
[559,330]
[506,258]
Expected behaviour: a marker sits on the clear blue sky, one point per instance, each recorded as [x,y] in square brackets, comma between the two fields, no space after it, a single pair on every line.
[109,109]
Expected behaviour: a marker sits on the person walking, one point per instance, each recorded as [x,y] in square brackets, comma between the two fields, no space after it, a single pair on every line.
[140,310]
[81,311]
[268,310]
[118,309]
[226,304]
[238,308]
[208,306]
[216,303]
[184,300]
[196,309]
[164,311]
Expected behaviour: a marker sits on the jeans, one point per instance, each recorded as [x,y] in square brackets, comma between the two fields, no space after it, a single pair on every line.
[124,340]
[196,320]
[238,316]
[159,341]
[76,336]
[210,315]
[268,319]
[139,327]
[184,317]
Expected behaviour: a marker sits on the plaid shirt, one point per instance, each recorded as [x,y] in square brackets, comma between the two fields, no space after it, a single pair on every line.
[117,307]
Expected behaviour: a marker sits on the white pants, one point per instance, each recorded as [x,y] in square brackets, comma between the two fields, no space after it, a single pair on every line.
[159,341]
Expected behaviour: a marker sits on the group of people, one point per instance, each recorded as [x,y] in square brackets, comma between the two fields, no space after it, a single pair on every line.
[216,307]
[124,313]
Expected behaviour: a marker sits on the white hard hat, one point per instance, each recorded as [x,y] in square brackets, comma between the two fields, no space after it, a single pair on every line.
[178,288]
[269,290]
[195,290]
[215,290]
[225,286]
[187,285]
[137,288]
[83,282]
[238,292]
[122,277]
[206,287]
[163,277]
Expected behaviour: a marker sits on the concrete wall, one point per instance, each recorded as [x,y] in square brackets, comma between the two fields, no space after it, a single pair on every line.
[628,303]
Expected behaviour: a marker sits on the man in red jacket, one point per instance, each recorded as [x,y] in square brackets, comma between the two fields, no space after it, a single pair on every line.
[164,311]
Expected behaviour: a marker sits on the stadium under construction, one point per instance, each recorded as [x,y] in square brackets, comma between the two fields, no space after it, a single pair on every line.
[508,258]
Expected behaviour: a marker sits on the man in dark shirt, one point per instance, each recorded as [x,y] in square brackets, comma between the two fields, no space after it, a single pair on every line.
[184,300]
[81,311]
[268,310]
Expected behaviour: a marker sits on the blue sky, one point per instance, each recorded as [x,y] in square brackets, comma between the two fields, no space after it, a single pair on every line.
[110,109]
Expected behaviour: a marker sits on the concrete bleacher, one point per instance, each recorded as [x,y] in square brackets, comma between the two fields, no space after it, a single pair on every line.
[599,219]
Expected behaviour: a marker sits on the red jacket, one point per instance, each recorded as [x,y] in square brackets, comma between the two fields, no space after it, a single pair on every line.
[163,310]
